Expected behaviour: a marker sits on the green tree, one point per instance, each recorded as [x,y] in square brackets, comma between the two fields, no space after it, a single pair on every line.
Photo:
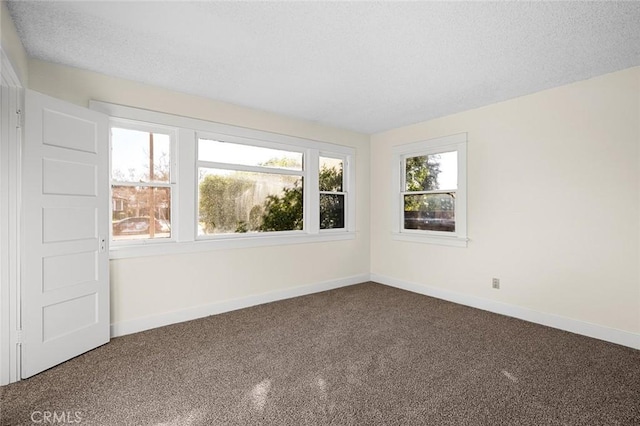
[283,212]
[222,208]
[283,163]
[421,174]
[331,205]
[330,179]
[219,197]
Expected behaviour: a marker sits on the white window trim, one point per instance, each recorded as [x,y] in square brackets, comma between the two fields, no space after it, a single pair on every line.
[184,237]
[255,169]
[457,142]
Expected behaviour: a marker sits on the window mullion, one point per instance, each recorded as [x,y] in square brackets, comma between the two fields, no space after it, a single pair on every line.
[254,169]
[186,204]
[142,184]
[333,192]
[311,192]
[433,191]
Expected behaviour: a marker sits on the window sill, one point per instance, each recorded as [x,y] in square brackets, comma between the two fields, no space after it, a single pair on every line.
[173,247]
[442,240]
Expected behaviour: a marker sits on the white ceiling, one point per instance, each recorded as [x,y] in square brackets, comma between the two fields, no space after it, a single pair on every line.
[365,66]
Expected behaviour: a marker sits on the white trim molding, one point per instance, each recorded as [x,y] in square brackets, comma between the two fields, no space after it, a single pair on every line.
[146,323]
[9,75]
[10,187]
[620,337]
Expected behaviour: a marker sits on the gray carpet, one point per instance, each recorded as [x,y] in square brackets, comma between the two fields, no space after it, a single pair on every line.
[365,354]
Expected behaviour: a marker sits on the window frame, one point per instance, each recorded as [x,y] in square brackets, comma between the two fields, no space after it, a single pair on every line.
[256,169]
[172,184]
[345,189]
[185,198]
[401,153]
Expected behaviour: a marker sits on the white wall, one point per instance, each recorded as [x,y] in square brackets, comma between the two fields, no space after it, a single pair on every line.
[154,286]
[554,207]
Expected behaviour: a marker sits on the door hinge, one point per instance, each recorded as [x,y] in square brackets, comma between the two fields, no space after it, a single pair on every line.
[19,119]
[18,337]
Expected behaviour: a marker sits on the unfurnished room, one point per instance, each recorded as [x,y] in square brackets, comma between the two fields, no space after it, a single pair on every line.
[319,212]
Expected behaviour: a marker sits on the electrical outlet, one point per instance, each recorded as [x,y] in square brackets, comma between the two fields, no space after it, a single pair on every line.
[495,283]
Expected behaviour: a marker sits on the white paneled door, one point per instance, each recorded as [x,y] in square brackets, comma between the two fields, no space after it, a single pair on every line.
[65,283]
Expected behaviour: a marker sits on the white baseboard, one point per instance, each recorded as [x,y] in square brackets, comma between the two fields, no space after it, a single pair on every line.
[608,334]
[140,324]
[612,335]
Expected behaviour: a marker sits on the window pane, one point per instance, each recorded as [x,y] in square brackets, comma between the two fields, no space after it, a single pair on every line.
[331,174]
[331,211]
[234,201]
[247,155]
[133,209]
[138,156]
[430,212]
[431,172]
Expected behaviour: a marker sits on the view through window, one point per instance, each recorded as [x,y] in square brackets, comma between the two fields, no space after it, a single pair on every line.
[245,188]
[430,185]
[332,195]
[140,184]
[181,184]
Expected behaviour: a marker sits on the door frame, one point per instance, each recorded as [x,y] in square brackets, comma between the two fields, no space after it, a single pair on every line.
[10,227]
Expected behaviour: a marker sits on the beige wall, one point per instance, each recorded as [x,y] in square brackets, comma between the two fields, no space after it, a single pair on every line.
[553,202]
[554,206]
[78,86]
[148,286]
[12,45]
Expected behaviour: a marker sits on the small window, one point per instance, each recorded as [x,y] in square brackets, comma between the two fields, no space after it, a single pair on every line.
[141,183]
[248,189]
[332,194]
[431,182]
[430,185]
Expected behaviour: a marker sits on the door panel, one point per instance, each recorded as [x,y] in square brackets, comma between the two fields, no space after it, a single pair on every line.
[57,125]
[57,321]
[69,224]
[65,218]
[68,270]
[56,182]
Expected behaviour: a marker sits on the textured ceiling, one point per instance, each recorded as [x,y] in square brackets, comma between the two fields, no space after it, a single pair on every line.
[365,66]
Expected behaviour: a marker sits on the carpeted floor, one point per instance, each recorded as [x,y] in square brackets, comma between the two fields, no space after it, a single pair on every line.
[365,354]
